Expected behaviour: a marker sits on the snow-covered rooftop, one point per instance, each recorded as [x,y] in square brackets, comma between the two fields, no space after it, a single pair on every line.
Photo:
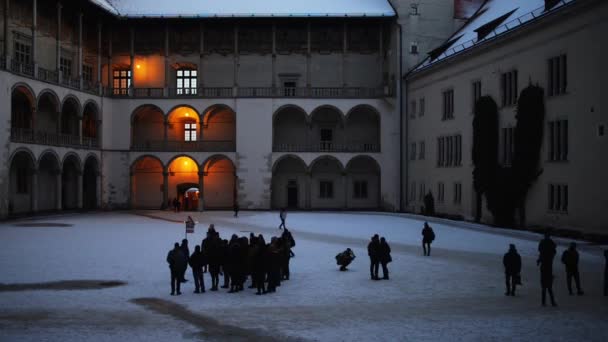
[247,8]
[494,18]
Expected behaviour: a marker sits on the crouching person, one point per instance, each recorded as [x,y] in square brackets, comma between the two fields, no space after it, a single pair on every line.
[197,262]
[345,258]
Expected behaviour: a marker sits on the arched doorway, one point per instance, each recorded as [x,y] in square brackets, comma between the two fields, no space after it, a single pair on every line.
[183,176]
[290,183]
[90,120]
[147,183]
[48,113]
[290,130]
[219,183]
[70,182]
[183,129]
[363,183]
[219,129]
[49,176]
[90,190]
[70,117]
[22,108]
[327,133]
[21,187]
[328,183]
[363,129]
[148,128]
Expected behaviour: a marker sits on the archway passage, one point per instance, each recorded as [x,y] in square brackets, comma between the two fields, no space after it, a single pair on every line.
[327,129]
[69,117]
[183,129]
[90,119]
[70,179]
[90,190]
[20,185]
[363,183]
[49,175]
[183,175]
[147,183]
[290,130]
[219,183]
[328,184]
[148,128]
[363,130]
[48,113]
[22,108]
[219,129]
[290,183]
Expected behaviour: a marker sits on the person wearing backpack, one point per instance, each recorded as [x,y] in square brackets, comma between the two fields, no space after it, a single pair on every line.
[428,236]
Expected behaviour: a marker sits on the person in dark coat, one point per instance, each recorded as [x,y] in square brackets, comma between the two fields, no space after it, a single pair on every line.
[175,204]
[547,251]
[428,236]
[345,258]
[177,264]
[384,257]
[373,250]
[288,243]
[186,251]
[606,273]
[232,263]
[283,217]
[259,268]
[236,209]
[512,264]
[213,253]
[225,262]
[570,260]
[197,262]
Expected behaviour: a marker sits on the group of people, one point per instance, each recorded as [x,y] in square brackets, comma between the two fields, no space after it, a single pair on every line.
[236,259]
[547,250]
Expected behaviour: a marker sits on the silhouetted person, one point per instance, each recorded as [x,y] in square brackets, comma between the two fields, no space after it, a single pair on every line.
[259,268]
[186,251]
[345,258]
[197,262]
[273,254]
[177,264]
[429,204]
[287,254]
[224,249]
[236,209]
[547,251]
[570,260]
[384,257]
[512,264]
[212,250]
[283,217]
[373,250]
[606,273]
[428,236]
[175,204]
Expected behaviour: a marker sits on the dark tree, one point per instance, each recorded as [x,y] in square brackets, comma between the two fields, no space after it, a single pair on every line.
[485,148]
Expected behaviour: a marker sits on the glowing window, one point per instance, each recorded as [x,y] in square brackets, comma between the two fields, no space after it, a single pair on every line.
[190,132]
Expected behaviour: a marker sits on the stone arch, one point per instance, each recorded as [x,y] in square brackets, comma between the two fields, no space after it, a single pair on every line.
[327,128]
[48,112]
[147,127]
[290,129]
[22,165]
[327,183]
[90,182]
[147,183]
[363,178]
[363,129]
[71,173]
[180,120]
[290,183]
[71,112]
[49,181]
[219,128]
[183,174]
[219,182]
[23,106]
[91,119]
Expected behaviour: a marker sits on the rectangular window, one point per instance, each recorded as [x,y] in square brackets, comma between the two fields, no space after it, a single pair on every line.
[413,151]
[458,153]
[360,189]
[457,193]
[448,105]
[65,65]
[476,92]
[187,82]
[413,109]
[557,71]
[449,151]
[508,145]
[190,132]
[440,192]
[558,198]
[23,48]
[508,86]
[326,189]
[289,88]
[22,175]
[121,81]
[421,152]
[440,151]
[422,191]
[413,191]
[422,107]
[558,140]
[87,73]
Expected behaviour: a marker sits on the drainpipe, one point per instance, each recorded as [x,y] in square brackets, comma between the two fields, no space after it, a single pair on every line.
[401,133]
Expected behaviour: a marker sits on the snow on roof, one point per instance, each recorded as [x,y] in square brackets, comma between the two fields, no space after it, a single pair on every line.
[248,8]
[492,19]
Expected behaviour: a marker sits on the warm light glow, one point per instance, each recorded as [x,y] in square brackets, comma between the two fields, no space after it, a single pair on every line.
[187,114]
[138,66]
[186,162]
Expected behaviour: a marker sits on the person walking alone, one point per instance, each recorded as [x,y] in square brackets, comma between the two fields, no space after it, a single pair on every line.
[570,260]
[547,251]
[283,217]
[428,236]
[512,264]
[177,264]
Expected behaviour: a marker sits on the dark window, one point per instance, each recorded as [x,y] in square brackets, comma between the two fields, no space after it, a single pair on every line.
[421,151]
[449,151]
[448,105]
[186,82]
[558,140]
[413,191]
[440,192]
[289,88]
[23,48]
[557,72]
[413,109]
[508,86]
[422,191]
[360,189]
[476,92]
[121,82]
[421,109]
[457,193]
[326,139]
[413,151]
[65,65]
[508,146]
[326,189]
[87,73]
[558,197]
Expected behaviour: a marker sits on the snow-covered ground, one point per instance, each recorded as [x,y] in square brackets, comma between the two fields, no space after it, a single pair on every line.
[454,295]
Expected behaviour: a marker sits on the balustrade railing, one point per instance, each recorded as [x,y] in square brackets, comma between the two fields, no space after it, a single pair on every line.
[3,62]
[29,136]
[22,68]
[148,92]
[47,75]
[185,146]
[328,147]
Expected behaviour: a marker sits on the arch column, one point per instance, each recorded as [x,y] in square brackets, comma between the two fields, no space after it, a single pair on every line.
[345,188]
[131,191]
[59,192]
[34,197]
[307,191]
[165,188]
[97,189]
[79,188]
[201,190]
